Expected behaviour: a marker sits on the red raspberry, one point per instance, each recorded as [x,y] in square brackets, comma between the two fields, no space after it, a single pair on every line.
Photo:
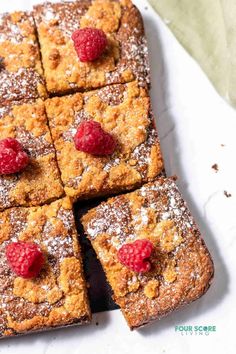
[89,43]
[91,138]
[12,157]
[25,259]
[134,255]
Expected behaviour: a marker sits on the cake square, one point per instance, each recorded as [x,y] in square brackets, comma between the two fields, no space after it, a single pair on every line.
[181,266]
[40,181]
[124,111]
[57,296]
[21,74]
[126,56]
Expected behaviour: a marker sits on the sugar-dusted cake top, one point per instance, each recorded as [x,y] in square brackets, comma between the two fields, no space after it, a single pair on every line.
[126,56]
[124,112]
[57,296]
[21,75]
[39,182]
[180,265]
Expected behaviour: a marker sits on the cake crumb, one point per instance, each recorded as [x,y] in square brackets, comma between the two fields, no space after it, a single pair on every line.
[215,167]
[227,194]
[151,289]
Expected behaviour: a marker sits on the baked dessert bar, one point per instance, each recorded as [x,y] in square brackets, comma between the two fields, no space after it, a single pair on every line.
[125,59]
[181,268]
[40,181]
[21,75]
[57,296]
[124,111]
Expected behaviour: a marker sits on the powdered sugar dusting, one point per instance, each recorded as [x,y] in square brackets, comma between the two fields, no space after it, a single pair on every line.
[59,246]
[112,95]
[142,153]
[67,217]
[65,15]
[115,219]
[9,31]
[111,163]
[79,117]
[134,56]
[22,83]
[35,146]
[18,85]
[7,183]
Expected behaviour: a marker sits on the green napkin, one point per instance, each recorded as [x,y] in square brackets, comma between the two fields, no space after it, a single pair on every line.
[207,29]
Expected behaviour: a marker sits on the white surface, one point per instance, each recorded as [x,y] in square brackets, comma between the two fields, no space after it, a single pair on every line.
[193,122]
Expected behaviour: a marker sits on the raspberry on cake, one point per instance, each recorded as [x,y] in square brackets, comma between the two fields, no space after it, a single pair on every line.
[57,295]
[121,53]
[13,158]
[180,268]
[21,74]
[90,43]
[124,113]
[91,138]
[135,255]
[25,259]
[28,170]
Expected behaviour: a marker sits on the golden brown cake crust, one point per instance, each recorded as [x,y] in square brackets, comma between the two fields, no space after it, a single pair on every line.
[57,297]
[21,74]
[125,59]
[182,268]
[40,181]
[124,111]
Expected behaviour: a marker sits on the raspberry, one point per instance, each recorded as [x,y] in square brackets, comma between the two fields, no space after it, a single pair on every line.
[25,259]
[134,255]
[91,138]
[12,156]
[89,43]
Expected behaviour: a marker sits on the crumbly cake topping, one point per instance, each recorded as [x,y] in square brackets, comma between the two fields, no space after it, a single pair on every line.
[142,153]
[13,27]
[125,58]
[133,47]
[21,75]
[181,265]
[135,58]
[39,182]
[110,215]
[124,112]
[56,296]
[64,15]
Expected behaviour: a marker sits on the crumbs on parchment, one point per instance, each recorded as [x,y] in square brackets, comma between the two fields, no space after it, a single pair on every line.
[227,194]
[215,167]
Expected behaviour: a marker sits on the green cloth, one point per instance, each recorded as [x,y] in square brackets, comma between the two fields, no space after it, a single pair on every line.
[207,30]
